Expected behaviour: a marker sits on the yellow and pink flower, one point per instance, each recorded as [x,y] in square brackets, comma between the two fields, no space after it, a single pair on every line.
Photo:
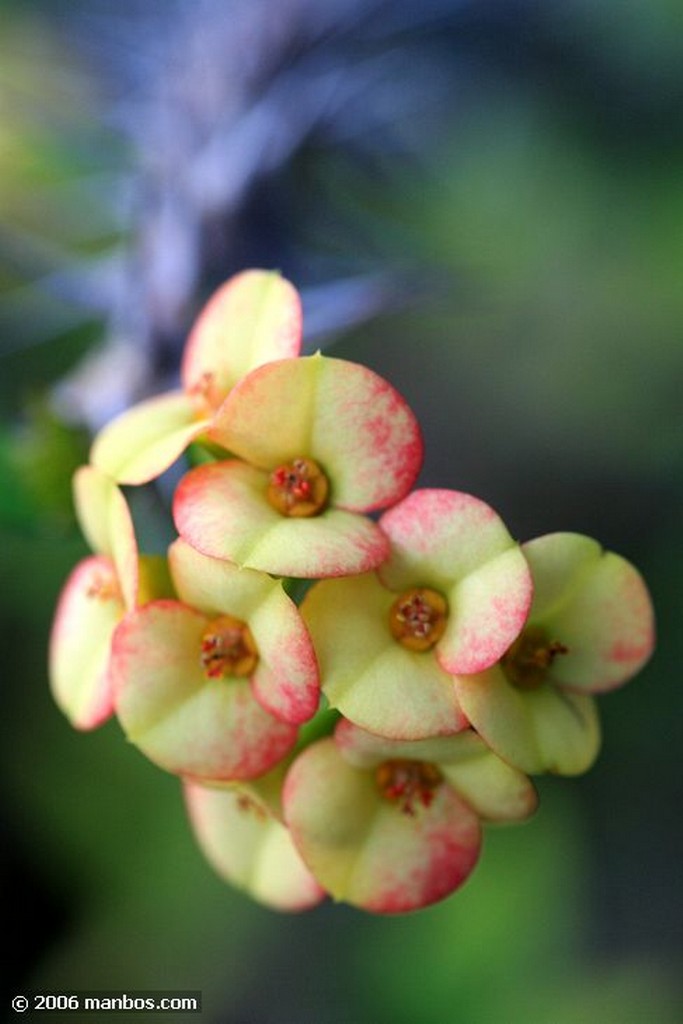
[214,685]
[393,826]
[452,596]
[590,629]
[319,442]
[243,837]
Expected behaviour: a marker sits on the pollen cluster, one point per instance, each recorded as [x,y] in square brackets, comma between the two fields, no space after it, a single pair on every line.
[418,618]
[228,649]
[298,488]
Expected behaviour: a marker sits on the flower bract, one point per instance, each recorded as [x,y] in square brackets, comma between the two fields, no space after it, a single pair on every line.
[591,628]
[320,442]
[393,826]
[454,592]
[212,686]
[248,846]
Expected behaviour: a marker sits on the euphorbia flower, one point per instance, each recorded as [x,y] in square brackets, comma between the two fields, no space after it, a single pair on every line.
[97,594]
[214,685]
[320,441]
[591,628]
[452,596]
[393,826]
[253,318]
[249,846]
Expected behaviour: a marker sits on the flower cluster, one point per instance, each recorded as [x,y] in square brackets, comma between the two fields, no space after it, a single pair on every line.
[352,744]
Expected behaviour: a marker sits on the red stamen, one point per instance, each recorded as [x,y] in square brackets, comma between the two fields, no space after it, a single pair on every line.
[298,488]
[410,784]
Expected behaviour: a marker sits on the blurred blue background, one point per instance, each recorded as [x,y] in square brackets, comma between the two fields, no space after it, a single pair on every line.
[484,203]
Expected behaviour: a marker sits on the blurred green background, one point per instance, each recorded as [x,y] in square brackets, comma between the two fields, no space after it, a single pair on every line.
[522,210]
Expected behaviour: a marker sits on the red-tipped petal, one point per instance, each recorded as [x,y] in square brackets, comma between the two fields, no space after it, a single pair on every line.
[440,536]
[253,318]
[89,609]
[342,415]
[182,720]
[488,610]
[365,849]
[286,679]
[222,511]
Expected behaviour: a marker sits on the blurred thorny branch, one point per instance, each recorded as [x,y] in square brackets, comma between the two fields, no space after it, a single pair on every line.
[151,149]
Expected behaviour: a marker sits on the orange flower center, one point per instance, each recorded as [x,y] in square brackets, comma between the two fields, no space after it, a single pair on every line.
[228,648]
[418,617]
[410,784]
[526,662]
[298,488]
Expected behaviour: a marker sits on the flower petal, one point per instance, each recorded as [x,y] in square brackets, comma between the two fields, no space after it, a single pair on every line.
[559,561]
[488,610]
[492,788]
[458,545]
[439,536]
[106,522]
[342,415]
[366,674]
[595,603]
[146,439]
[364,749]
[251,319]
[286,678]
[363,848]
[544,730]
[222,511]
[183,721]
[89,609]
[215,586]
[250,848]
